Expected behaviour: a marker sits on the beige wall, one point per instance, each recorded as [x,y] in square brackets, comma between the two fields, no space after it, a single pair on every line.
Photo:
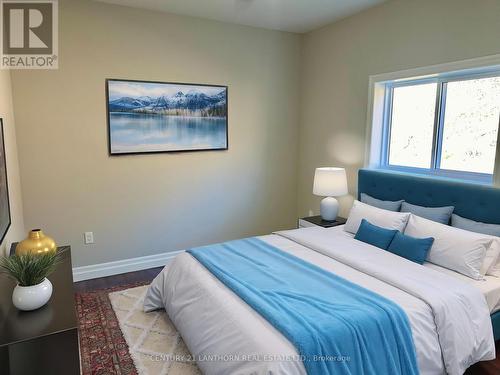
[337,61]
[142,205]
[16,231]
[147,204]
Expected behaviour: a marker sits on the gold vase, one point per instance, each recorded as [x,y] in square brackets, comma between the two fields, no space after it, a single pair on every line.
[37,243]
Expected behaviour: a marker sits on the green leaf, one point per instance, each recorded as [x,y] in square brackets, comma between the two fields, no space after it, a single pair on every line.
[29,269]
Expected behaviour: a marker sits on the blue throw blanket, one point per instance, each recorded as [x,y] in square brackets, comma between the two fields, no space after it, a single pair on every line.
[338,327]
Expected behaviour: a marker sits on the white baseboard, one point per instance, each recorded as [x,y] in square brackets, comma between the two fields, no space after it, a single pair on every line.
[122,266]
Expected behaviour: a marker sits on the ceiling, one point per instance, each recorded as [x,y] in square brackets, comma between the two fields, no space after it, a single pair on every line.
[287,15]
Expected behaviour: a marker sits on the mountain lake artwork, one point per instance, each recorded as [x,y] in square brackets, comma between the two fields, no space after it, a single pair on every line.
[145,117]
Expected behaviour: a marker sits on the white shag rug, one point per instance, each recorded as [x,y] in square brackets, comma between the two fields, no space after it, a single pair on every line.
[154,343]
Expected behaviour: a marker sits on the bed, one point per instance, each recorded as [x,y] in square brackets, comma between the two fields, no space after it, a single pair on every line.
[232,338]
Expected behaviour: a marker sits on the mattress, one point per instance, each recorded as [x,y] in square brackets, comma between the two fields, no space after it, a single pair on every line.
[489,287]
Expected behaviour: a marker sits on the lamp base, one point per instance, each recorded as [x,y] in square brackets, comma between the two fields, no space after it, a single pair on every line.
[329,209]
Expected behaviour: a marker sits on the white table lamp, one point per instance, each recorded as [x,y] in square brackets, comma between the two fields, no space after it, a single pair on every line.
[329,182]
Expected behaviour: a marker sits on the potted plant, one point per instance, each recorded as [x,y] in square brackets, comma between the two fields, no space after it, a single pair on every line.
[30,271]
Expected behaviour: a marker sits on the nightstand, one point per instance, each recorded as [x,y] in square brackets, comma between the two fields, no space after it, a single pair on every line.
[44,341]
[317,221]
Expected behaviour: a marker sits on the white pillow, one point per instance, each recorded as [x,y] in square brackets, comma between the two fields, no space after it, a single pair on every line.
[376,216]
[453,248]
[491,266]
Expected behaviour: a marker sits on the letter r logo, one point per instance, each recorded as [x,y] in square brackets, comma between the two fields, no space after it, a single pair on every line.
[27,27]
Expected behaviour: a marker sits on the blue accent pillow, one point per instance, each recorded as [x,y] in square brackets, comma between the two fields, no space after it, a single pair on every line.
[374,235]
[411,248]
[385,205]
[475,226]
[439,214]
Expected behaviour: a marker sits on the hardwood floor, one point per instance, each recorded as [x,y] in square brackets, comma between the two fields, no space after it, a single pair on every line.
[482,368]
[117,280]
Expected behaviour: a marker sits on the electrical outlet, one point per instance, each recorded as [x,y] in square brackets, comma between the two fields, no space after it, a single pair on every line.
[311,213]
[88,238]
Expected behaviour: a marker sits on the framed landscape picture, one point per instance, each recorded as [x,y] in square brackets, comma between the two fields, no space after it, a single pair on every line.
[149,117]
[4,189]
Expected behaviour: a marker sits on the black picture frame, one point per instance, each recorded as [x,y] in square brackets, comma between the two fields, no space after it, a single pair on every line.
[5,216]
[108,112]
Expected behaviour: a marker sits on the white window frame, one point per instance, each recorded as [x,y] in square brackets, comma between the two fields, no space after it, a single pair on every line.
[380,105]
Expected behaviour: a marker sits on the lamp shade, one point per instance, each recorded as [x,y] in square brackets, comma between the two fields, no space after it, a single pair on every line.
[330,182]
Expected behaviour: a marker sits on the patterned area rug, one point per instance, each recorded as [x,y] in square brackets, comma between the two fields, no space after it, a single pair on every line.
[103,347]
[154,344]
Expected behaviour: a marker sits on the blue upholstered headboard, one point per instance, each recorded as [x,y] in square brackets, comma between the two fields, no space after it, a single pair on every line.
[473,201]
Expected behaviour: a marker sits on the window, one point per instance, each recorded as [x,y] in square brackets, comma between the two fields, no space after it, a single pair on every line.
[470,125]
[445,125]
[412,125]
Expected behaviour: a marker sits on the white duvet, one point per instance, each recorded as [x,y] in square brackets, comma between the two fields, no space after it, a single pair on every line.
[449,319]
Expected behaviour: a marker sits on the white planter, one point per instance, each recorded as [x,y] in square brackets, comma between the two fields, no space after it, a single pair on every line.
[28,298]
